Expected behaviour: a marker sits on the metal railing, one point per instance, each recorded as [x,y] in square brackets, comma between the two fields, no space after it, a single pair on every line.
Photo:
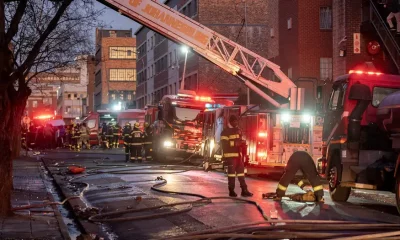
[384,33]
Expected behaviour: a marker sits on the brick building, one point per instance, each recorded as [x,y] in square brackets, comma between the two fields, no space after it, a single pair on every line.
[305,44]
[115,78]
[352,17]
[160,61]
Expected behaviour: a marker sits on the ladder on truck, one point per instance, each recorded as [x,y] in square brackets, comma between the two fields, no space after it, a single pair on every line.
[246,65]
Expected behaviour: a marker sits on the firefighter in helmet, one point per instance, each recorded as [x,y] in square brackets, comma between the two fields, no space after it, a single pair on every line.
[300,161]
[84,138]
[116,134]
[126,131]
[110,135]
[136,143]
[76,136]
[104,135]
[232,144]
[148,141]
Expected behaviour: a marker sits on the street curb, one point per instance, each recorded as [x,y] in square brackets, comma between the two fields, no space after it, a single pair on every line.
[86,226]
[61,223]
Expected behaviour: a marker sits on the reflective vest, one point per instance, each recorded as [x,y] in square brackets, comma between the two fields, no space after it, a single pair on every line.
[230,141]
[137,137]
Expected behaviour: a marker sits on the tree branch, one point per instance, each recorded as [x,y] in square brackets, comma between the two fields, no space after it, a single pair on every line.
[36,48]
[13,29]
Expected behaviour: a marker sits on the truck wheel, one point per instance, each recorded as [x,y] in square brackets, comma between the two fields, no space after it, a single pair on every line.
[398,193]
[338,194]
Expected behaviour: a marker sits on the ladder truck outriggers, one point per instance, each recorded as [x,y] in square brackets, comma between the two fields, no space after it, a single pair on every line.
[248,67]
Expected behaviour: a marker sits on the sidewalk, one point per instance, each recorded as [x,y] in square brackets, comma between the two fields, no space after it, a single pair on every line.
[30,188]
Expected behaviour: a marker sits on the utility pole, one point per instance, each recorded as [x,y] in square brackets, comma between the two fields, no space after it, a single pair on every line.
[245,22]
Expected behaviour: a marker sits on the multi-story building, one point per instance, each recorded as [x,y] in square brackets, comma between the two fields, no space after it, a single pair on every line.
[115,78]
[160,61]
[72,94]
[305,45]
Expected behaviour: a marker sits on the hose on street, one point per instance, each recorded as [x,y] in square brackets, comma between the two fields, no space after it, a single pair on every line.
[269,229]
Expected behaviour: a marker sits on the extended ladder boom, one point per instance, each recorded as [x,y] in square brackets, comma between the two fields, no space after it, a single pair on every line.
[230,56]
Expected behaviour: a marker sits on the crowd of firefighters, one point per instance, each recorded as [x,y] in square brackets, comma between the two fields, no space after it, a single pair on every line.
[135,140]
[77,137]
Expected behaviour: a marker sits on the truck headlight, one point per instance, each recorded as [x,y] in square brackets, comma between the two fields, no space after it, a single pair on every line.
[168,144]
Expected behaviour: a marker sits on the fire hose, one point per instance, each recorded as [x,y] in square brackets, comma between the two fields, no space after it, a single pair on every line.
[233,232]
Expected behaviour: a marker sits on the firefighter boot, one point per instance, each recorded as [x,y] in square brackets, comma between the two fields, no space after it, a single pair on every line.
[246,193]
[232,193]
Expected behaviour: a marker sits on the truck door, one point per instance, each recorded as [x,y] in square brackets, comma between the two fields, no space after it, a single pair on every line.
[334,111]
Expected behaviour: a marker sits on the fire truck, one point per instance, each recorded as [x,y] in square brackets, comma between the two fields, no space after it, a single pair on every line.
[361,135]
[95,119]
[271,136]
[177,123]
[354,136]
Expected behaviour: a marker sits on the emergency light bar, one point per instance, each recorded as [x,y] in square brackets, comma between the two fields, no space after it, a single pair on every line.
[362,72]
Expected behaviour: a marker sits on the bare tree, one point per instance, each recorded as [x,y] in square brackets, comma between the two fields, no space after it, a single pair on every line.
[35,36]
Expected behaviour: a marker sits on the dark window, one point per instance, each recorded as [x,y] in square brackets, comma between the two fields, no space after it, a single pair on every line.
[194,7]
[98,78]
[325,18]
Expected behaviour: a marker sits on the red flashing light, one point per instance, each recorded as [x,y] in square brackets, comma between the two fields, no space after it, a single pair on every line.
[362,72]
[44,117]
[203,99]
[263,134]
[262,154]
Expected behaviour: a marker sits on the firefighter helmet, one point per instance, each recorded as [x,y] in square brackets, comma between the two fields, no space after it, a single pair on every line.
[136,125]
[127,124]
[146,124]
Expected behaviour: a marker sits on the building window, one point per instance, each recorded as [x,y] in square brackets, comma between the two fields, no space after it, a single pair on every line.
[113,34]
[325,18]
[75,95]
[194,7]
[113,96]
[129,97]
[34,104]
[325,68]
[289,23]
[122,53]
[68,109]
[97,78]
[123,74]
[69,96]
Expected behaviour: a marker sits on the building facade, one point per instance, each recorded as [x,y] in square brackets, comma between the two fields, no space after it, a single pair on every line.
[115,69]
[42,103]
[305,46]
[160,61]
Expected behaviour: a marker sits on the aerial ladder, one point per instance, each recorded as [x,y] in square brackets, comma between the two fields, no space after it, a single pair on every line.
[246,65]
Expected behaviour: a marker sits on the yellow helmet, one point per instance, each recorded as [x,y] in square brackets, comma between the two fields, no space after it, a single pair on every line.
[127,123]
[136,125]
[146,124]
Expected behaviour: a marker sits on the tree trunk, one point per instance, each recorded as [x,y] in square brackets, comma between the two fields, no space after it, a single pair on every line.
[11,110]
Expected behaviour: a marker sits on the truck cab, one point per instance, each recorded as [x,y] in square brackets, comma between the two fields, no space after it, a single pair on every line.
[357,151]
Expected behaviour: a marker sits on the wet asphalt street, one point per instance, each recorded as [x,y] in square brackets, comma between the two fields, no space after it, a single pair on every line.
[109,190]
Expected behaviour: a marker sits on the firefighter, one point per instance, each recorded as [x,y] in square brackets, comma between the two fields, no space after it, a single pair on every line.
[104,135]
[76,137]
[136,143]
[110,135]
[148,141]
[300,161]
[84,136]
[231,141]
[69,136]
[116,134]
[126,131]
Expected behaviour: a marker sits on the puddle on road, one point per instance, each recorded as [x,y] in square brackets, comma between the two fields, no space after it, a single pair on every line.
[74,229]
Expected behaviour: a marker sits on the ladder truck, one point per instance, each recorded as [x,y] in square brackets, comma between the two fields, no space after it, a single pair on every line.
[248,67]
[350,148]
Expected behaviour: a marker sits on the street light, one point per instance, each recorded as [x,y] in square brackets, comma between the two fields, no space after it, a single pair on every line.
[185,50]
